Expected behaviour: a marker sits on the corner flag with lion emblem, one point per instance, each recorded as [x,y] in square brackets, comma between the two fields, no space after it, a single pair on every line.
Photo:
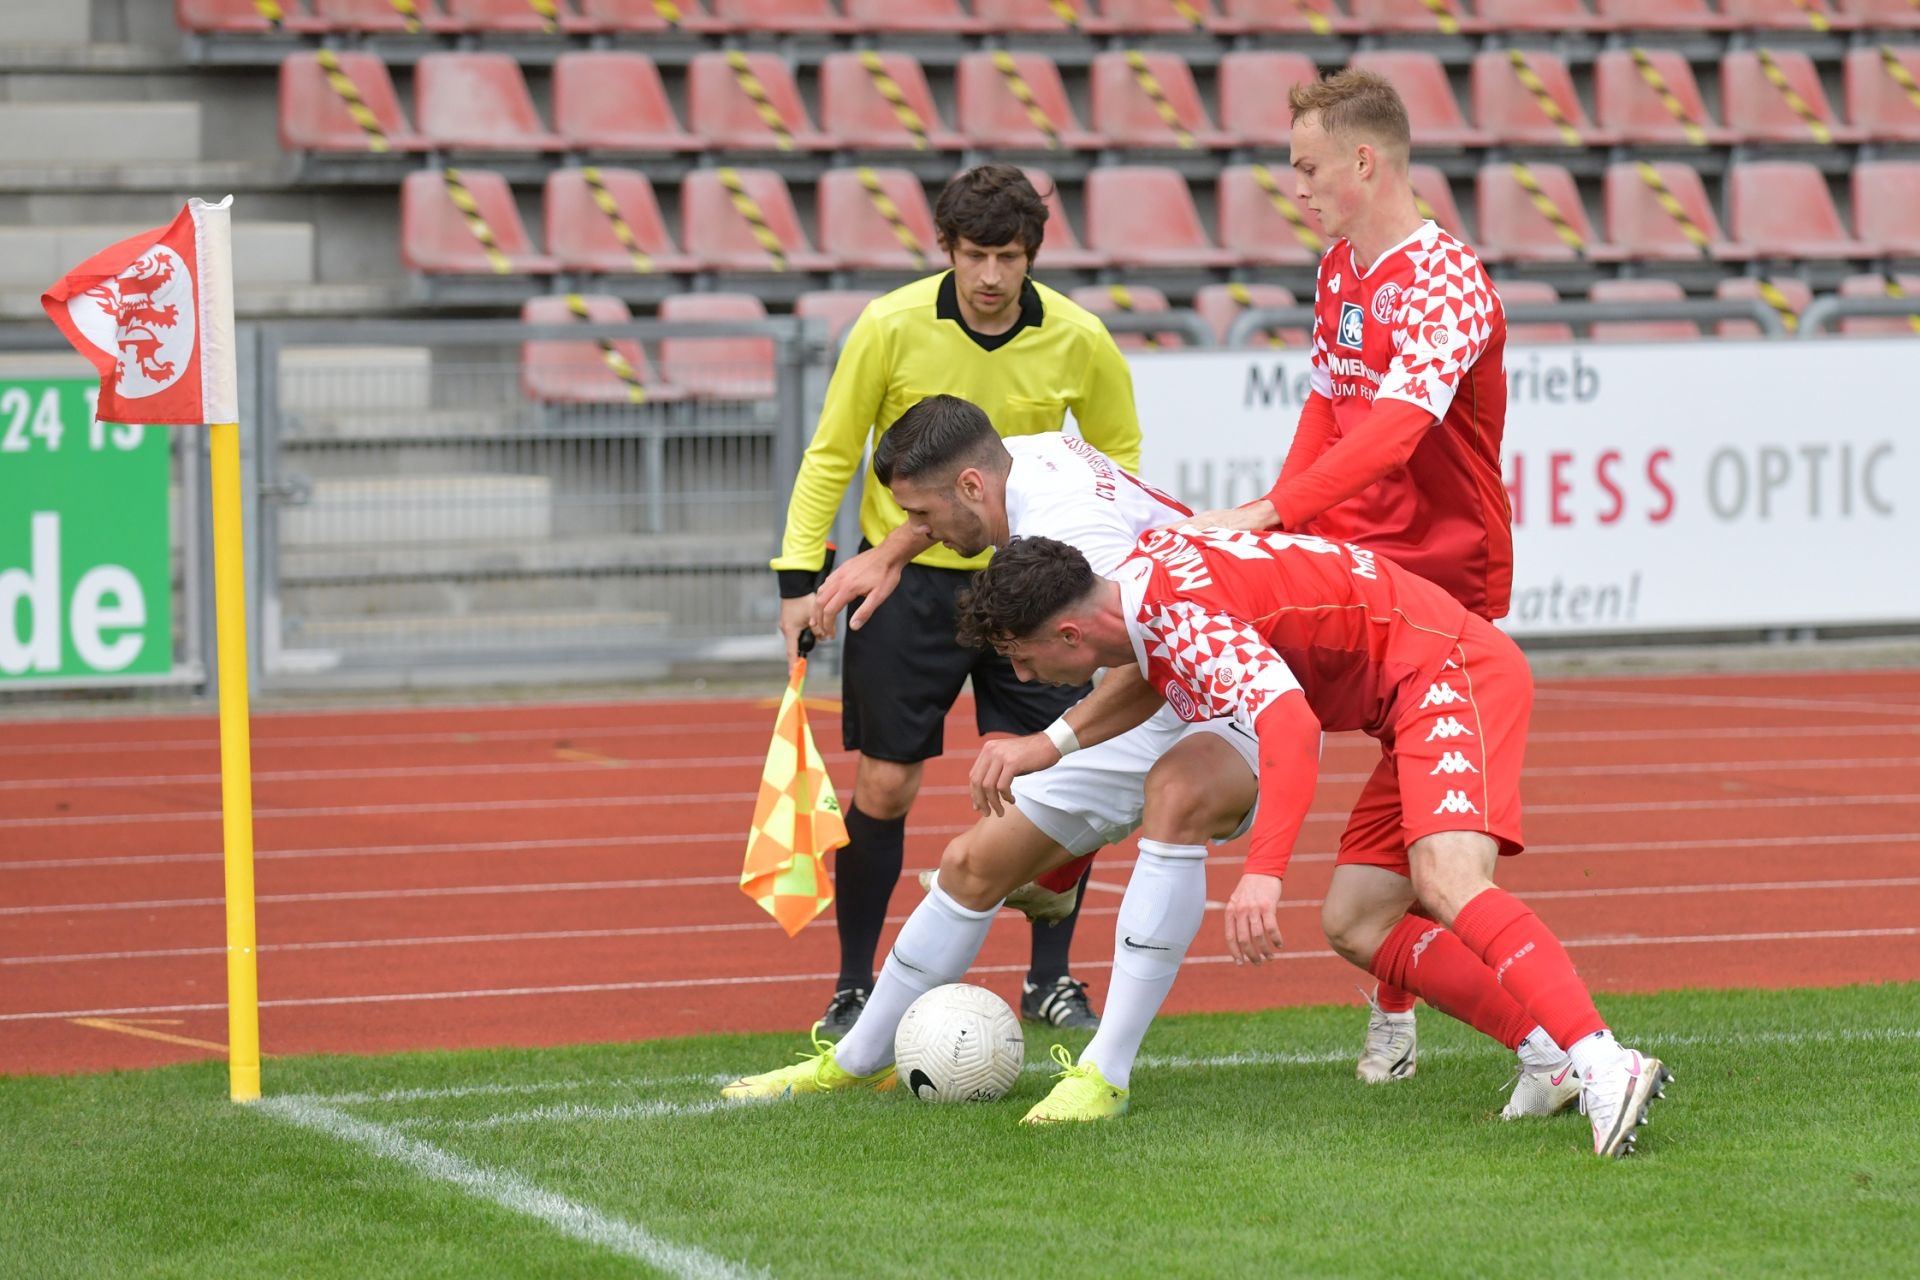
[796,821]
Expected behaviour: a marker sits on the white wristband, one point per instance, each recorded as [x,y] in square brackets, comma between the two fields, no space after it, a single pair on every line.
[1061,735]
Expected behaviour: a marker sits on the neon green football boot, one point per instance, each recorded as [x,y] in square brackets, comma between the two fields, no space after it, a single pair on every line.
[1081,1093]
[817,1072]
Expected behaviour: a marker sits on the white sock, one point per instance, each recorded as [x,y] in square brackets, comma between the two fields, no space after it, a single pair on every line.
[1159,917]
[936,945]
[1539,1052]
[1591,1053]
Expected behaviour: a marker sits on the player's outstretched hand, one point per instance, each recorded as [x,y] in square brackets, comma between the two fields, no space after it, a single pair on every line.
[868,574]
[794,615]
[1253,920]
[1001,760]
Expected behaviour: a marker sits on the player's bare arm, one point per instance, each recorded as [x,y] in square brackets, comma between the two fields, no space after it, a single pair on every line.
[1123,700]
[872,574]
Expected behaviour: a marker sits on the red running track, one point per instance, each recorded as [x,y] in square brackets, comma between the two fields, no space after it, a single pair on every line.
[536,875]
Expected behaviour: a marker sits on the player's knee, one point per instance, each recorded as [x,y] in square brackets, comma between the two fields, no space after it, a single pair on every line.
[969,875]
[1185,807]
[1352,930]
[884,790]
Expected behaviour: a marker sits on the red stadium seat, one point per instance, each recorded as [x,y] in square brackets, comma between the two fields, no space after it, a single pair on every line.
[1756,111]
[1782,209]
[992,117]
[374,17]
[1253,86]
[1142,216]
[314,117]
[1640,330]
[1108,299]
[1796,292]
[1255,228]
[1784,15]
[1514,229]
[437,239]
[1660,15]
[607,101]
[1627,106]
[650,17]
[1873,285]
[1431,106]
[839,308]
[1281,17]
[1640,226]
[810,16]
[586,372]
[1537,333]
[1040,17]
[1062,247]
[225,17]
[584,237]
[1882,15]
[1877,104]
[1509,112]
[911,15]
[1220,304]
[853,110]
[1886,205]
[1128,114]
[721,107]
[1157,17]
[719,232]
[855,232]
[478,102]
[1434,194]
[1539,15]
[718,368]
[1414,16]
[513,17]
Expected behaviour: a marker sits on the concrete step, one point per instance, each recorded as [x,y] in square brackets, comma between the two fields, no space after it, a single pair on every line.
[37,23]
[541,631]
[348,380]
[264,253]
[420,510]
[638,554]
[83,133]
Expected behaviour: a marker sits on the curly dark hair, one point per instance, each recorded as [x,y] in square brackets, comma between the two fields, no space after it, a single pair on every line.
[935,435]
[990,204]
[1027,582]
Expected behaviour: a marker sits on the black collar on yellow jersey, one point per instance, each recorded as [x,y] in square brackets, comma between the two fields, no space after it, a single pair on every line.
[947,307]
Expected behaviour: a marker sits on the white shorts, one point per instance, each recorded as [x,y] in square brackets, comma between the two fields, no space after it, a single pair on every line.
[1096,796]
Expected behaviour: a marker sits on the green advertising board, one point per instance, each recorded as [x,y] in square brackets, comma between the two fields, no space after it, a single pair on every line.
[85,562]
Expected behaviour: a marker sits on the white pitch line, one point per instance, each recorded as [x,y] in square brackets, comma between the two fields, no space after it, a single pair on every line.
[573,1112]
[490,1090]
[510,1191]
[749,980]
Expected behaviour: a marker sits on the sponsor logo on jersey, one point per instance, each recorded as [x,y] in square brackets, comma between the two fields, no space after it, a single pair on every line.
[1437,336]
[1351,367]
[1448,727]
[1386,300]
[1353,326]
[1455,802]
[1179,699]
[1452,762]
[1440,694]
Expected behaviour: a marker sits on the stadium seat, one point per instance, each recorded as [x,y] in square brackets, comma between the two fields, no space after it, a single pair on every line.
[1640,330]
[717,368]
[1873,285]
[650,17]
[607,101]
[478,102]
[839,308]
[1886,205]
[437,239]
[1220,304]
[991,116]
[1157,17]
[1107,299]
[1882,15]
[721,108]
[1515,293]
[583,237]
[853,109]
[1756,111]
[1431,107]
[1253,87]
[1784,15]
[1641,227]
[1509,112]
[1281,17]
[1513,228]
[581,372]
[1421,16]
[1627,106]
[1143,216]
[1255,228]
[1796,292]
[935,16]
[1434,194]
[1062,246]
[1660,15]
[857,234]
[1539,15]
[314,117]
[1039,17]
[371,17]
[1877,105]
[513,17]
[223,17]
[722,234]
[814,17]
[1782,209]
[1129,115]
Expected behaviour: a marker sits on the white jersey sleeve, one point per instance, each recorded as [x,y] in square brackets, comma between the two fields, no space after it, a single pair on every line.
[1063,488]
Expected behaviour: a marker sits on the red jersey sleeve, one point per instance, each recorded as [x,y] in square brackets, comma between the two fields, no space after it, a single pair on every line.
[1444,322]
[1357,461]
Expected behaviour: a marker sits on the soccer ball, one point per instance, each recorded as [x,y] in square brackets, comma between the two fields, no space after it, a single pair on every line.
[959,1043]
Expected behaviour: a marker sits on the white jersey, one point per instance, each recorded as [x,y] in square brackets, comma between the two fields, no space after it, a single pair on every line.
[1063,488]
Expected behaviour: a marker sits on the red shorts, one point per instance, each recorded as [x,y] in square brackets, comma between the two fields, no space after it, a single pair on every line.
[1453,760]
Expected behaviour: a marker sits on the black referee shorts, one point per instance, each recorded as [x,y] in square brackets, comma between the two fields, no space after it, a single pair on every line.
[903,670]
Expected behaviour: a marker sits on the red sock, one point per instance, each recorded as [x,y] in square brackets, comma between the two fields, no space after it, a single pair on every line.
[1062,878]
[1392,999]
[1529,962]
[1429,960]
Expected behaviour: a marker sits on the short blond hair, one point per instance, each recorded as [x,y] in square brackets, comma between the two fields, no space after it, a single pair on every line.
[1357,106]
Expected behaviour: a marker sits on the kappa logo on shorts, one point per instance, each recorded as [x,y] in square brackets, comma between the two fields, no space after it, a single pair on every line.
[1353,326]
[1456,802]
[1440,694]
[1452,762]
[1448,727]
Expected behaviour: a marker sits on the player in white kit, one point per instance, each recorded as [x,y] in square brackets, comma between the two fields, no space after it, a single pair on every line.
[1181,784]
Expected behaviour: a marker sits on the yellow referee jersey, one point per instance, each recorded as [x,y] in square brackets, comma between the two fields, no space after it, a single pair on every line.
[911,344]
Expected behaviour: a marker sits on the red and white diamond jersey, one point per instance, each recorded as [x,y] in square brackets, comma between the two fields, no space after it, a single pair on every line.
[1422,325]
[1063,488]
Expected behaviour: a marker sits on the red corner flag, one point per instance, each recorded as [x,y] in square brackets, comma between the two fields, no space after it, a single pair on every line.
[796,821]
[154,314]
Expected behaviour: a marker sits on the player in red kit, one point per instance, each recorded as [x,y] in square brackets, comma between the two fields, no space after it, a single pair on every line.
[1398,446]
[1290,635]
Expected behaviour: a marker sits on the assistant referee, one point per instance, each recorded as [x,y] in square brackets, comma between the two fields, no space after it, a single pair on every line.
[1026,354]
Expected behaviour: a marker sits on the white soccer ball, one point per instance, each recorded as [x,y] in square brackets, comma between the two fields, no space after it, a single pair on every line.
[959,1043]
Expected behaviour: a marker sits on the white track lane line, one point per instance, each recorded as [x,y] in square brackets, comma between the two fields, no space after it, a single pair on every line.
[510,1191]
[1878,706]
[593,988]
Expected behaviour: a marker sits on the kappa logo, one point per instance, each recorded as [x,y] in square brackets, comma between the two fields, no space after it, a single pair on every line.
[1448,727]
[1421,946]
[1440,694]
[1353,326]
[1386,302]
[1452,762]
[1449,665]
[1455,802]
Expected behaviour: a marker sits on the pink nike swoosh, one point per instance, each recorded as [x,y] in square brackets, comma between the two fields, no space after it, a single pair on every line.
[1557,1080]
